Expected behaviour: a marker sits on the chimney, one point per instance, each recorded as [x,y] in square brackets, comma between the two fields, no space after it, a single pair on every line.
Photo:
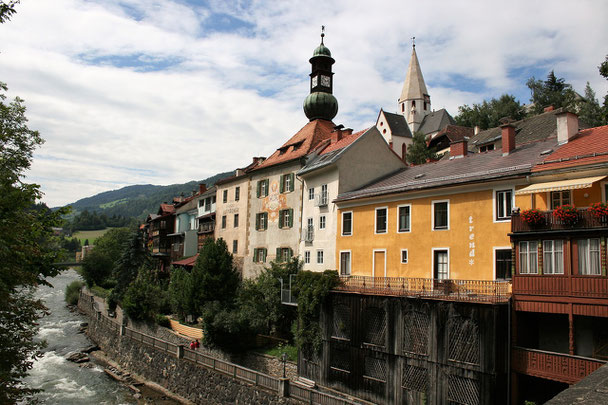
[476,130]
[340,132]
[458,148]
[508,138]
[550,108]
[202,187]
[259,159]
[239,172]
[567,126]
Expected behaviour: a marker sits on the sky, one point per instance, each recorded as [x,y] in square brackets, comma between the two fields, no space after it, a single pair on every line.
[167,91]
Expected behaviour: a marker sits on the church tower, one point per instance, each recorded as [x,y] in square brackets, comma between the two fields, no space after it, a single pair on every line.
[321,103]
[415,102]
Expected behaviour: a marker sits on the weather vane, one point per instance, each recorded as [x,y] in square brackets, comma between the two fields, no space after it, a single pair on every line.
[413,42]
[322,32]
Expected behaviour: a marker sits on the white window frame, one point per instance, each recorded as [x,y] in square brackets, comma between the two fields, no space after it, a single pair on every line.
[350,270]
[376,221]
[494,249]
[322,222]
[433,215]
[311,193]
[433,261]
[495,201]
[374,262]
[534,244]
[552,251]
[550,199]
[322,256]
[407,256]
[588,254]
[307,257]
[352,227]
[399,209]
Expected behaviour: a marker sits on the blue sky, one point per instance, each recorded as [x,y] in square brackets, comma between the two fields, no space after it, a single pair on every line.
[165,91]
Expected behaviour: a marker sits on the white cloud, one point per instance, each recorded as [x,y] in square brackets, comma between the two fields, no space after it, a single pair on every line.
[138,91]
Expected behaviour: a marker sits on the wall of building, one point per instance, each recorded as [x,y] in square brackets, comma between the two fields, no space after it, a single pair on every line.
[273,237]
[231,232]
[471,239]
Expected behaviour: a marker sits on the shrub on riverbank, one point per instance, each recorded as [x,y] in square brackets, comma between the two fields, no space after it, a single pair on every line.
[72,292]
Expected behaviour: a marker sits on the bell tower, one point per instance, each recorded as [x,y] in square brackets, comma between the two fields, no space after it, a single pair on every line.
[415,102]
[321,103]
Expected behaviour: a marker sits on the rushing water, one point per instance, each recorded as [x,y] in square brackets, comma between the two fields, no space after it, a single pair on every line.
[64,382]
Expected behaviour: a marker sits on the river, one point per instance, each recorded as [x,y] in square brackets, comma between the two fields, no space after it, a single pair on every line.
[65,382]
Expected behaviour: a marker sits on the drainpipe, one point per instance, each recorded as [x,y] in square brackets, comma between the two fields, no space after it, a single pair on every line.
[509,352]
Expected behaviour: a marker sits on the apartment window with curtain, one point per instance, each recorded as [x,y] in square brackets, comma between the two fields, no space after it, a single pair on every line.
[553,257]
[528,257]
[345,263]
[589,257]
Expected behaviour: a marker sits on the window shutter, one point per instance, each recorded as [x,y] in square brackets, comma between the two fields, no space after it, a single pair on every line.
[290,217]
[290,253]
[282,183]
[278,258]
[257,222]
[264,253]
[267,186]
[259,188]
[291,182]
[281,221]
[255,255]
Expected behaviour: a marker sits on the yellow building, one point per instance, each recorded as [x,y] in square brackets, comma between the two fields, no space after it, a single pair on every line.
[448,219]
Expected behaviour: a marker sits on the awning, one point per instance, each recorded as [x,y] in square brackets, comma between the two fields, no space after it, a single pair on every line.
[584,182]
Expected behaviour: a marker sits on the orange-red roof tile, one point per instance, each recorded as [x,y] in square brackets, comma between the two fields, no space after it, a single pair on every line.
[301,143]
[345,141]
[588,147]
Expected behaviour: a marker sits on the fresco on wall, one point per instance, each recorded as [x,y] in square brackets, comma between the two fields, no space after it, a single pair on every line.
[274,202]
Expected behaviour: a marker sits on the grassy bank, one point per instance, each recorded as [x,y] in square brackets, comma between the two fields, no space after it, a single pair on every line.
[90,235]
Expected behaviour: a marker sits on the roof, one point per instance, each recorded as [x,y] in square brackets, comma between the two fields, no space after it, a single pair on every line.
[590,146]
[531,129]
[471,168]
[413,87]
[245,170]
[397,124]
[299,145]
[436,121]
[329,153]
[453,133]
[188,262]
[165,209]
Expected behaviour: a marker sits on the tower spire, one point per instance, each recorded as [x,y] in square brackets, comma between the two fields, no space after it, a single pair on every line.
[321,103]
[415,101]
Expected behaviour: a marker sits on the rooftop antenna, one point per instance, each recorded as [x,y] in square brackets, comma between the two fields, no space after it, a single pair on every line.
[413,42]
[322,33]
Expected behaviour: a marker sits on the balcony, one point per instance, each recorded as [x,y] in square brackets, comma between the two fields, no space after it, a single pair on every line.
[586,220]
[322,199]
[561,285]
[553,366]
[206,227]
[308,234]
[449,290]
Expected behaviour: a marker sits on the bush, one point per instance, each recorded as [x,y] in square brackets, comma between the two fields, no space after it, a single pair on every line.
[141,300]
[162,320]
[100,291]
[72,292]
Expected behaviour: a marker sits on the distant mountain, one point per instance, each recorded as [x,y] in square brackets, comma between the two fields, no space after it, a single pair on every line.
[139,200]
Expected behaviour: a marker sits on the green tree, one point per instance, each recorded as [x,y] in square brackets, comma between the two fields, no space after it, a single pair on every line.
[419,152]
[603,68]
[182,293]
[141,301]
[214,275]
[551,92]
[27,249]
[589,109]
[488,113]
[7,10]
[99,264]
[134,255]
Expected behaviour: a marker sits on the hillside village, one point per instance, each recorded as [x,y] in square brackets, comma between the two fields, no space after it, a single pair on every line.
[478,277]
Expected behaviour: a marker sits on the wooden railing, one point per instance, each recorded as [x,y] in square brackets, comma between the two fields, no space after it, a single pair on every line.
[553,366]
[586,220]
[206,227]
[561,285]
[453,290]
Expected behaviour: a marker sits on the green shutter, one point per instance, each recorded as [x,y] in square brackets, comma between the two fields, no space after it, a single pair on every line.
[278,258]
[281,224]
[255,255]
[257,222]
[290,253]
[265,217]
[265,251]
[267,187]
[291,182]
[282,183]
[259,188]
[290,217]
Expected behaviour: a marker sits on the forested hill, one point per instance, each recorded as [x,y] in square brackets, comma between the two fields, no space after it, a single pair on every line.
[139,200]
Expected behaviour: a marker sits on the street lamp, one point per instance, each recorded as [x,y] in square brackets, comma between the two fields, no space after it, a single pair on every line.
[284,360]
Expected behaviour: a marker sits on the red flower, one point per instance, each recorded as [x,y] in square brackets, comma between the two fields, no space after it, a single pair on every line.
[532,217]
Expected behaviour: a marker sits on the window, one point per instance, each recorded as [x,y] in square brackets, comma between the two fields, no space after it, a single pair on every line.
[559,198]
[225,196]
[345,263]
[404,218]
[404,256]
[287,183]
[259,255]
[553,257]
[163,224]
[347,223]
[504,264]
[284,254]
[201,203]
[237,194]
[286,218]
[504,204]
[441,264]
[309,231]
[223,221]
[261,221]
[235,246]
[311,193]
[307,257]
[236,220]
[322,222]
[528,257]
[262,189]
[319,257]
[589,256]
[486,148]
[381,220]
[441,216]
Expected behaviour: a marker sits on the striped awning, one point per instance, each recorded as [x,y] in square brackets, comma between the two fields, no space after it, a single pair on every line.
[572,184]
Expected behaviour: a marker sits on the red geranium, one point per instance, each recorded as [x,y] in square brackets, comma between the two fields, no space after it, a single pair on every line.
[532,217]
[568,214]
[598,210]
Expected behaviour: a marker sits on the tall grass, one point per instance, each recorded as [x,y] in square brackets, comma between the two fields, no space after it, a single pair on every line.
[72,292]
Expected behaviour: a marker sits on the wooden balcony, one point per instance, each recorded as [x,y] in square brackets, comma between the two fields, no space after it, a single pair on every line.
[561,285]
[206,227]
[553,366]
[586,220]
[483,291]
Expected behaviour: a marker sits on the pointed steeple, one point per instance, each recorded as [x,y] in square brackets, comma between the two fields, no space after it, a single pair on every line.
[415,101]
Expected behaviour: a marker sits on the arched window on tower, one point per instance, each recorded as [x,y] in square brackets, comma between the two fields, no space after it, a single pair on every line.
[402,107]
[413,103]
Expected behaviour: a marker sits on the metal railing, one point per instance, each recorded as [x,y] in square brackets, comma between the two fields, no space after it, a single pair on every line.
[585,220]
[308,234]
[485,291]
[322,199]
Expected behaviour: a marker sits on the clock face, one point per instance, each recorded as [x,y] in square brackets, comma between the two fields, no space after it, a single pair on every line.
[325,81]
[315,81]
